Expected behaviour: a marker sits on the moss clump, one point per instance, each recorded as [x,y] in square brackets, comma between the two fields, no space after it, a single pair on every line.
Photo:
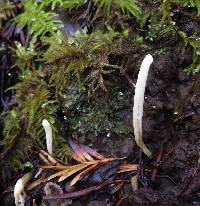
[23,131]
[96,115]
[83,59]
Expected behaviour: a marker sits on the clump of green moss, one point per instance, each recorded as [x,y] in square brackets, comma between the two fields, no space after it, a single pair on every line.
[193,42]
[23,131]
[96,115]
[84,59]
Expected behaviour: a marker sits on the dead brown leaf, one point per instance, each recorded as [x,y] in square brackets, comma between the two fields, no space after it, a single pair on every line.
[83,153]
[128,168]
[89,161]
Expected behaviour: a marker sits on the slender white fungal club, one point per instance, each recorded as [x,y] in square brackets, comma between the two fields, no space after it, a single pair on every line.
[19,189]
[48,131]
[139,101]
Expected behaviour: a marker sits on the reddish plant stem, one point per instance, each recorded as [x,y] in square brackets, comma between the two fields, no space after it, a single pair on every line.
[155,170]
[83,192]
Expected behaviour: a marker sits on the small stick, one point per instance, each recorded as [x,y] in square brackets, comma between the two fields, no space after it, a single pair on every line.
[155,170]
